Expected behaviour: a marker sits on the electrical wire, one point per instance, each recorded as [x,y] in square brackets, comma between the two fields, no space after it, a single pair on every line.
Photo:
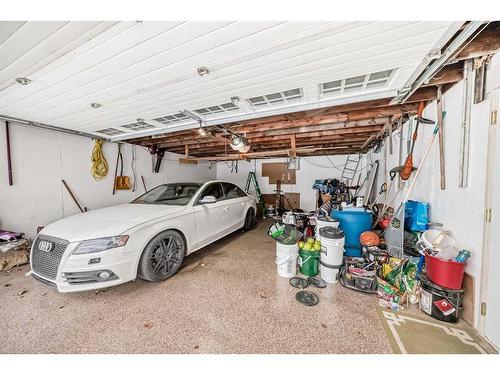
[99,164]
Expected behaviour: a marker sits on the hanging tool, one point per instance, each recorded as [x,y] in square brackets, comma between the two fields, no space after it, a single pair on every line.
[9,160]
[408,138]
[252,179]
[439,104]
[116,170]
[392,174]
[234,166]
[408,168]
[434,133]
[159,156]
[84,209]
[384,188]
[389,137]
[400,156]
[121,182]
[99,164]
[410,188]
[132,165]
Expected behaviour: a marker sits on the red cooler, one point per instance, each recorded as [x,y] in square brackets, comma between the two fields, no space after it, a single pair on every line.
[446,273]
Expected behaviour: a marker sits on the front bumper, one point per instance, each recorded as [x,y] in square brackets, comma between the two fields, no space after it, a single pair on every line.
[75,274]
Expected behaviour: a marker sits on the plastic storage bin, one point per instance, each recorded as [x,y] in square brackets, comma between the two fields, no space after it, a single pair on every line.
[446,273]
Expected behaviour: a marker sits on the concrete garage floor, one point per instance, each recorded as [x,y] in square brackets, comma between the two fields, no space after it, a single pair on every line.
[227,298]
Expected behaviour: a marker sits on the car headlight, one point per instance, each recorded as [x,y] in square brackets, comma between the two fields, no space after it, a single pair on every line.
[100,244]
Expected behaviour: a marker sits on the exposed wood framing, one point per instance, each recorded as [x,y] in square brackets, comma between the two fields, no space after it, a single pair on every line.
[349,128]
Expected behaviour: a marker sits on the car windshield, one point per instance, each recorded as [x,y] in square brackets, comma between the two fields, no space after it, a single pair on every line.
[169,194]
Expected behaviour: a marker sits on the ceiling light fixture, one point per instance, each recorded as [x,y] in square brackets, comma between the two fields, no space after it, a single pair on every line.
[203,70]
[23,81]
[95,105]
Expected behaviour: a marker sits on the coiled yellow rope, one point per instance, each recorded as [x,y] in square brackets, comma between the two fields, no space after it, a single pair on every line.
[99,163]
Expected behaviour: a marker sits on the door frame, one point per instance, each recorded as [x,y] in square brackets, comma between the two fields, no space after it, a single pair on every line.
[486,249]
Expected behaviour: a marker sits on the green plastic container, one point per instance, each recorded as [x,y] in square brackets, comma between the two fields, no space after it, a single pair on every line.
[309,262]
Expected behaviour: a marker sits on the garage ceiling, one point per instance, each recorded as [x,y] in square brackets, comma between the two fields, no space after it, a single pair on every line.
[148,70]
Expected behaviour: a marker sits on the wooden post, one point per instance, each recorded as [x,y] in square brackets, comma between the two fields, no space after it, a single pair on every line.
[186,159]
[293,143]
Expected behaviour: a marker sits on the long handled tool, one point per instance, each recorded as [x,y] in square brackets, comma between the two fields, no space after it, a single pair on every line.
[408,168]
[410,188]
[84,209]
[116,171]
[439,103]
[9,160]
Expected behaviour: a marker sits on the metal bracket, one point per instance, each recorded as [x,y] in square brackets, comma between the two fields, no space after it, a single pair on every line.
[483,308]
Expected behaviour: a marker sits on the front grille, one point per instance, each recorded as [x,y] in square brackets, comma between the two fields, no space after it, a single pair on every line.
[46,263]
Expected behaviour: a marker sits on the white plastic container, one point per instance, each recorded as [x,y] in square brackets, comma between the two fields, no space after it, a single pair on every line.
[325,221]
[286,259]
[332,253]
[439,242]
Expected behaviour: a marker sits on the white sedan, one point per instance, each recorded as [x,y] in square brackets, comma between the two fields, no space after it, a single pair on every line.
[147,238]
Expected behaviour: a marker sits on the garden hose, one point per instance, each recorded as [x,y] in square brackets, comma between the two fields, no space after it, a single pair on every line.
[99,163]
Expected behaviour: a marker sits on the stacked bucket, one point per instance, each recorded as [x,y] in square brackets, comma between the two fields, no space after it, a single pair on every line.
[332,252]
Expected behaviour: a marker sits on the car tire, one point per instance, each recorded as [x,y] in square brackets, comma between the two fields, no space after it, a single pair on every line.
[250,220]
[162,256]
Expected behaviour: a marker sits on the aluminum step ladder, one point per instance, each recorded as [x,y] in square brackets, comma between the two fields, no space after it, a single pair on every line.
[252,180]
[350,168]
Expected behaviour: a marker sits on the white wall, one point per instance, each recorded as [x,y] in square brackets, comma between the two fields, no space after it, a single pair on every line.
[460,210]
[41,158]
[311,168]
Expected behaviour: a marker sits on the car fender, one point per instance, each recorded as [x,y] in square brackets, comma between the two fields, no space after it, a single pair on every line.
[142,234]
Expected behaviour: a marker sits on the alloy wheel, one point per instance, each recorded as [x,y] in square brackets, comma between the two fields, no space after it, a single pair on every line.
[166,255]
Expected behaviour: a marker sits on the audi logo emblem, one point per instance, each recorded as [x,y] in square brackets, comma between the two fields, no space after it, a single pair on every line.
[45,246]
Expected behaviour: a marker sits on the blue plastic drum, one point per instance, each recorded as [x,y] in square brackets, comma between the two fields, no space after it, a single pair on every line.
[353,222]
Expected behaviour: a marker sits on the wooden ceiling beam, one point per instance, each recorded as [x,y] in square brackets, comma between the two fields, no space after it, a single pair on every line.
[284,145]
[423,94]
[270,154]
[353,116]
[304,129]
[283,141]
[344,132]
[486,43]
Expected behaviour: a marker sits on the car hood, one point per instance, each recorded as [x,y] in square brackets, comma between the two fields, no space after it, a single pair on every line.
[109,221]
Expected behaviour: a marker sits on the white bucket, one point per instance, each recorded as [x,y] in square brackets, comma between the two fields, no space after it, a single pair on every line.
[325,222]
[286,259]
[332,255]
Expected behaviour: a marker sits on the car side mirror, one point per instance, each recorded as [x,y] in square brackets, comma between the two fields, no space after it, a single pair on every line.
[208,199]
